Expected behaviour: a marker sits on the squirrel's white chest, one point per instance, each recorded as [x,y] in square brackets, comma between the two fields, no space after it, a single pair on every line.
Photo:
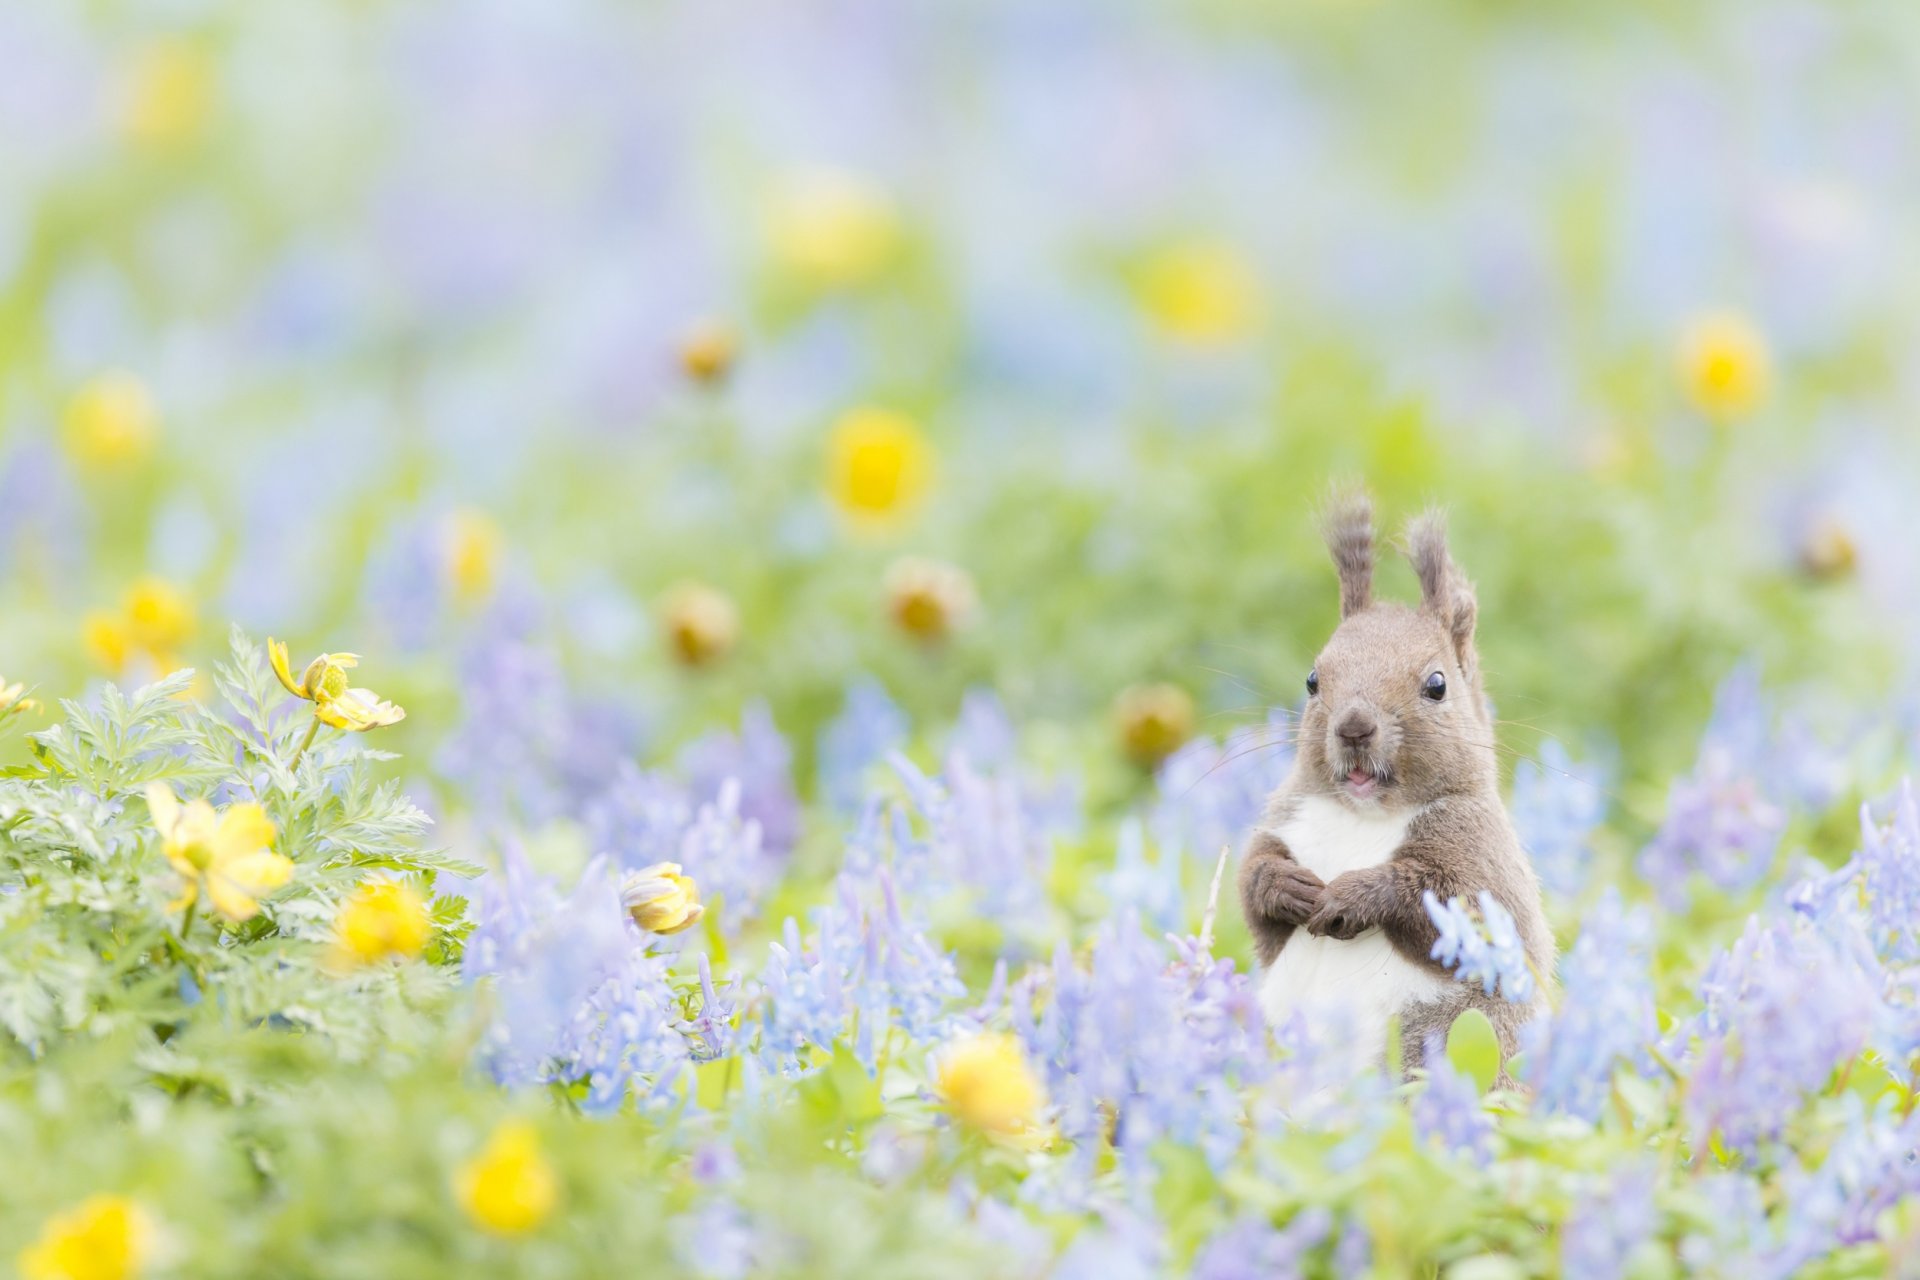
[1362,982]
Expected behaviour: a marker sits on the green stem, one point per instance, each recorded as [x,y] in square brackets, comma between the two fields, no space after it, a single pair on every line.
[313,730]
[186,921]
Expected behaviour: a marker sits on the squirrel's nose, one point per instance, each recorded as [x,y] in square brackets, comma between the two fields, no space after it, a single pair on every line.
[1356,727]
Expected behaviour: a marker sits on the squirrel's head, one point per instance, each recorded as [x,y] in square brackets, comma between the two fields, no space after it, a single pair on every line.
[1395,713]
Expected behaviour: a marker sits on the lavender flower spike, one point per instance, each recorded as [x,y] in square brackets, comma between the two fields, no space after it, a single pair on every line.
[1487,950]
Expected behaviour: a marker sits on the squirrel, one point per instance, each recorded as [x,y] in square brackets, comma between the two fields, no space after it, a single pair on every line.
[1394,793]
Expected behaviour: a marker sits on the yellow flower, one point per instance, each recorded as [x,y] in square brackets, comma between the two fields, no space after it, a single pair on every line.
[225,855]
[14,699]
[169,93]
[110,421]
[833,230]
[1153,720]
[1201,293]
[383,918]
[878,465]
[509,1188]
[159,618]
[985,1081]
[1725,369]
[324,684]
[700,622]
[472,550]
[708,351]
[101,1238]
[929,599]
[660,899]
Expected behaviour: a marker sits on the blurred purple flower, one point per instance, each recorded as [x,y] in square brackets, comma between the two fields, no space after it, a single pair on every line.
[1785,1006]
[759,759]
[1605,1014]
[1252,1248]
[1607,1225]
[1448,1112]
[867,730]
[1556,806]
[1211,794]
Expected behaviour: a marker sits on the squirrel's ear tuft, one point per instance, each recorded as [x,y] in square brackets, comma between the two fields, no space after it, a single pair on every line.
[1444,590]
[1347,524]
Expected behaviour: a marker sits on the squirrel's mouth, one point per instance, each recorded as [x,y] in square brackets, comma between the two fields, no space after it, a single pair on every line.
[1362,782]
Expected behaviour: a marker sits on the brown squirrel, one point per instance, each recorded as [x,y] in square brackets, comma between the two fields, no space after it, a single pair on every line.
[1394,793]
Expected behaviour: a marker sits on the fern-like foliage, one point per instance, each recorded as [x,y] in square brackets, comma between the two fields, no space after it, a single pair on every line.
[94,943]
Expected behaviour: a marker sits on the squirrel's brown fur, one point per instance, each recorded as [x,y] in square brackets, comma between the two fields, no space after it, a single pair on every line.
[1431,758]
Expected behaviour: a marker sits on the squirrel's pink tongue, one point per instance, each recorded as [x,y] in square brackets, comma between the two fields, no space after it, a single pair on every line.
[1359,777]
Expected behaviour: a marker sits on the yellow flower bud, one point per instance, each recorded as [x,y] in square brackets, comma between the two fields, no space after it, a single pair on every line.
[879,465]
[110,422]
[509,1188]
[383,918]
[1153,720]
[107,640]
[1828,550]
[700,622]
[14,699]
[708,351]
[102,1238]
[1724,366]
[660,899]
[929,599]
[986,1083]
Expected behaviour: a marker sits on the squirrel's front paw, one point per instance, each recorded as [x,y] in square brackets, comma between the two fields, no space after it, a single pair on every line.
[1341,913]
[1282,890]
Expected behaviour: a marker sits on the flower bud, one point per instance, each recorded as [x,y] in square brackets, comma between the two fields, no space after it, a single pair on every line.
[929,599]
[1153,720]
[986,1083]
[701,624]
[660,899]
[708,352]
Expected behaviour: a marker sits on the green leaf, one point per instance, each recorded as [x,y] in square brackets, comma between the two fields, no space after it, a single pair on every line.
[1474,1049]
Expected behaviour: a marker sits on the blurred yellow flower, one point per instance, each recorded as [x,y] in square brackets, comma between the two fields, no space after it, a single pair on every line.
[879,465]
[708,351]
[833,230]
[101,1238]
[1153,720]
[509,1188]
[324,684]
[472,550]
[110,421]
[1725,369]
[169,93]
[155,620]
[985,1082]
[929,599]
[224,855]
[1201,293]
[700,622]
[14,699]
[383,918]
[660,899]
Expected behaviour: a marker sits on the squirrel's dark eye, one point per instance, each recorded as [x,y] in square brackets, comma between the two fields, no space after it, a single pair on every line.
[1435,688]
[1313,683]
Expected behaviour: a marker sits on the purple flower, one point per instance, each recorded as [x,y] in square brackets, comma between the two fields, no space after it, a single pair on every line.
[1252,1248]
[1785,1006]
[867,730]
[1151,890]
[1556,806]
[1152,1049]
[1448,1111]
[1487,950]
[1210,794]
[759,760]
[1607,1225]
[1605,1015]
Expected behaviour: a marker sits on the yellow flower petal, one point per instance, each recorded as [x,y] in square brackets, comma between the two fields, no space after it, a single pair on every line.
[230,900]
[164,806]
[242,829]
[277,658]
